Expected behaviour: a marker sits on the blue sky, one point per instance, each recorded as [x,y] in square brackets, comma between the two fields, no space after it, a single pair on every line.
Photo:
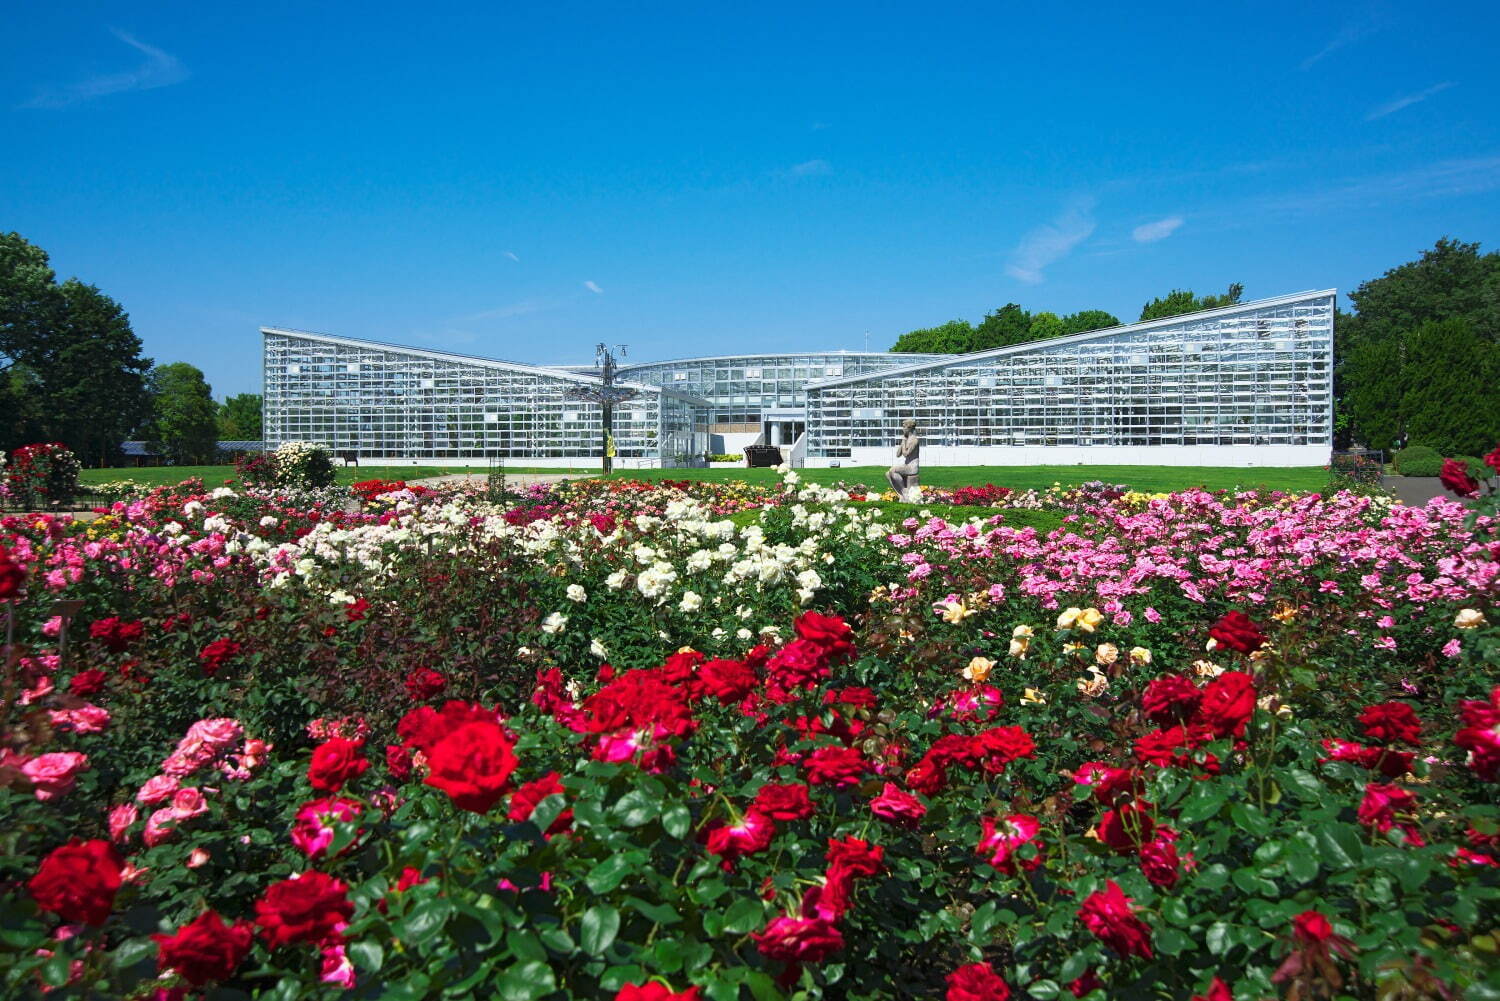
[697,179]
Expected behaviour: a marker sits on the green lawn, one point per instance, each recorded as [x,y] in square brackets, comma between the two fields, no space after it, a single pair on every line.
[1152,479]
[1148,478]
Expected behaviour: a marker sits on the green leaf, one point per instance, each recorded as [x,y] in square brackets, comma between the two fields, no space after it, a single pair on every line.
[425,921]
[133,951]
[1339,846]
[1217,938]
[367,955]
[1305,784]
[526,981]
[635,808]
[598,928]
[677,820]
[1201,803]
[744,916]
[608,874]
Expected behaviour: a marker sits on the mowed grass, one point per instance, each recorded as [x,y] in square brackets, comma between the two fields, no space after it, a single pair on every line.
[1150,479]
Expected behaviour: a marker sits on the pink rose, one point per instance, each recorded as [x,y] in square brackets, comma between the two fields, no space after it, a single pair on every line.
[54,774]
[188,803]
[87,719]
[218,734]
[120,819]
[156,789]
[159,827]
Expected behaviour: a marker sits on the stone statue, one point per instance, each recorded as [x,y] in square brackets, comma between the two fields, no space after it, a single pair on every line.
[903,475]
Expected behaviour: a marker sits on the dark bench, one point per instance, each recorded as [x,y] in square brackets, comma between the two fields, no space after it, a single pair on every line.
[758,456]
[350,458]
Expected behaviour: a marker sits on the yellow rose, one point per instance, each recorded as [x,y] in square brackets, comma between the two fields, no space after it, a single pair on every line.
[1067,618]
[1032,697]
[1207,669]
[979,669]
[1140,656]
[1107,654]
[1094,685]
[1022,632]
[1089,619]
[1018,648]
[955,612]
[1469,618]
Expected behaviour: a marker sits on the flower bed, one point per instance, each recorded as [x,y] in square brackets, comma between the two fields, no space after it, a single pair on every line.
[602,741]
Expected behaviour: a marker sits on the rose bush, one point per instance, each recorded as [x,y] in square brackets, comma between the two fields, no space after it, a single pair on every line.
[620,744]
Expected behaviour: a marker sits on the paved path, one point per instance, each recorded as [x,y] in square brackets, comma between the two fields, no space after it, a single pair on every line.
[1415,491]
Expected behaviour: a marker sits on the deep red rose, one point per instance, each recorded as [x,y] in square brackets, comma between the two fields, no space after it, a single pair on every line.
[1218,990]
[205,949]
[1085,983]
[1159,862]
[727,680]
[398,762]
[655,990]
[784,802]
[1390,722]
[1107,781]
[799,940]
[78,881]
[1169,700]
[1108,914]
[472,765]
[859,698]
[859,858]
[356,610]
[12,575]
[897,806]
[1380,808]
[1000,745]
[1002,838]
[87,682]
[1493,460]
[1311,928]
[1455,476]
[1228,703]
[753,833]
[836,766]
[524,801]
[1237,631]
[312,907]
[976,982]
[424,683]
[336,761]
[1126,828]
[217,654]
[828,631]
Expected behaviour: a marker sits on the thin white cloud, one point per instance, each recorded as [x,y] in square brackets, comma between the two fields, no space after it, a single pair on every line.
[593,288]
[810,168]
[1049,243]
[512,255]
[1351,32]
[1150,232]
[1391,107]
[161,69]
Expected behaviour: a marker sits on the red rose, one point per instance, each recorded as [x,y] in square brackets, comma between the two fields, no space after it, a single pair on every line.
[398,762]
[217,654]
[1311,928]
[524,801]
[312,907]
[1159,861]
[424,683]
[799,940]
[727,680]
[1126,828]
[78,881]
[1237,631]
[655,990]
[472,765]
[999,746]
[783,802]
[1107,913]
[12,576]
[976,982]
[1169,700]
[1493,460]
[859,858]
[1001,840]
[1228,703]
[1390,722]
[897,806]
[114,634]
[752,834]
[828,631]
[87,682]
[205,949]
[1455,476]
[1217,991]
[334,762]
[836,766]
[1380,807]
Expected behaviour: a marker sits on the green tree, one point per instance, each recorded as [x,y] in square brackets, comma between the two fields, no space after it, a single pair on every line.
[240,417]
[1010,324]
[1180,301]
[1451,396]
[70,366]
[1453,280]
[953,337]
[1045,325]
[1375,383]
[1088,319]
[185,423]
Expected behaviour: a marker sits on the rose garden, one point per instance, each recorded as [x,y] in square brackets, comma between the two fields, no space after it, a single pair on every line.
[612,739]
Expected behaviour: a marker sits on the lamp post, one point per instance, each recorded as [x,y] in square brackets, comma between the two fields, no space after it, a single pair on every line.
[606,396]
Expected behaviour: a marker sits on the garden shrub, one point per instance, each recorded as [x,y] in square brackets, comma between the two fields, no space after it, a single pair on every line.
[1418,460]
[295,465]
[43,475]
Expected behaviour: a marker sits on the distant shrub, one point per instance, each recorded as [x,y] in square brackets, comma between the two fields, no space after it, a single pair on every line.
[728,457]
[297,465]
[1418,460]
